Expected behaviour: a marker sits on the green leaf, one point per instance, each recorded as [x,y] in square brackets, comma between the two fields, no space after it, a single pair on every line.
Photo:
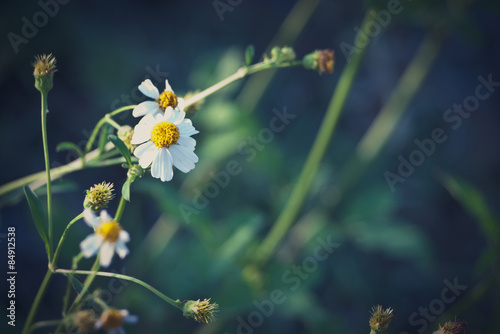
[126,190]
[69,146]
[475,204]
[249,54]
[37,214]
[120,145]
[103,138]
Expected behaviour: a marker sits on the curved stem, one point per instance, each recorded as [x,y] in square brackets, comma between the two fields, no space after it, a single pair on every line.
[301,188]
[124,277]
[47,168]
[61,240]
[47,323]
[86,284]
[241,73]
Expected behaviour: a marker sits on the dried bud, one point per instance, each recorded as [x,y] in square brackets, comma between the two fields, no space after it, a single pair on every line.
[452,327]
[200,311]
[45,66]
[98,196]
[85,321]
[380,320]
[125,133]
[322,61]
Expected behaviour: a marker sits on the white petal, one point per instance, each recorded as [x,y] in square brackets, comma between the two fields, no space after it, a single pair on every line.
[142,131]
[170,115]
[105,217]
[121,249]
[187,142]
[181,104]
[181,161]
[162,166]
[167,87]
[107,250]
[147,88]
[130,319]
[124,236]
[146,107]
[90,218]
[147,156]
[180,117]
[90,245]
[186,128]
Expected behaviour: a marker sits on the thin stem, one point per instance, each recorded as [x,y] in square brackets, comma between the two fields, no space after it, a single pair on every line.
[111,122]
[47,167]
[53,263]
[119,211]
[301,188]
[384,124]
[86,284]
[124,277]
[103,121]
[47,323]
[241,73]
[36,303]
[74,266]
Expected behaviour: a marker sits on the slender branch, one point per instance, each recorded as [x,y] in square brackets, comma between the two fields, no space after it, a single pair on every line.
[124,277]
[119,211]
[53,263]
[86,284]
[301,188]
[47,168]
[47,323]
[36,303]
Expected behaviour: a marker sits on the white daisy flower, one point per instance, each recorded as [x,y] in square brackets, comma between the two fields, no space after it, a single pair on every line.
[112,321]
[168,143]
[161,101]
[108,237]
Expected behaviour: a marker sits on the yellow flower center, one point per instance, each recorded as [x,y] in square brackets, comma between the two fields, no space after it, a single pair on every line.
[167,99]
[165,134]
[110,231]
[112,319]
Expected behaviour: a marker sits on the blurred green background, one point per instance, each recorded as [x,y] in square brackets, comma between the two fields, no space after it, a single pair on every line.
[395,248]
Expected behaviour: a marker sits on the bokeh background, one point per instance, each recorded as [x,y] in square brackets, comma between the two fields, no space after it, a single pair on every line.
[395,248]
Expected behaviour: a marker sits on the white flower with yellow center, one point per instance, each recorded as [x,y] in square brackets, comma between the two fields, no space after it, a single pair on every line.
[168,143]
[112,321]
[161,101]
[108,237]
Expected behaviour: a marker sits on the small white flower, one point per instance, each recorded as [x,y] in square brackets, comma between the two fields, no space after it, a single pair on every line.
[108,237]
[161,101]
[168,143]
[112,320]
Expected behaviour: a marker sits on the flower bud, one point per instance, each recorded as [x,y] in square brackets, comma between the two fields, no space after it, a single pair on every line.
[281,55]
[452,327]
[322,61]
[125,133]
[135,172]
[85,321]
[380,320]
[98,196]
[45,66]
[200,311]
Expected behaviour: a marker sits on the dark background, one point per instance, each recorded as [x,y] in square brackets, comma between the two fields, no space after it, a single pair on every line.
[396,248]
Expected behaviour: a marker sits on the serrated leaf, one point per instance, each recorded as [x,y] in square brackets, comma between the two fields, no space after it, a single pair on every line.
[37,213]
[69,146]
[249,54]
[126,190]
[122,148]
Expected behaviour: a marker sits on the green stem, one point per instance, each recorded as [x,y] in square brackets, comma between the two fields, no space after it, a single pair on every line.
[119,211]
[36,303]
[384,124]
[53,263]
[111,122]
[124,277]
[86,284]
[74,266]
[241,73]
[103,121]
[47,323]
[47,167]
[301,188]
